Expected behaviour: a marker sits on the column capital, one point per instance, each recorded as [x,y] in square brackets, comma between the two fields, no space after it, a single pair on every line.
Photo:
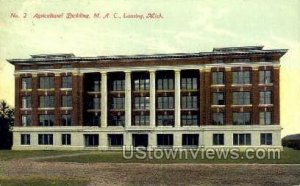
[16,75]
[206,69]
[227,69]
[56,74]
[177,70]
[77,73]
[127,71]
[152,70]
[255,67]
[103,72]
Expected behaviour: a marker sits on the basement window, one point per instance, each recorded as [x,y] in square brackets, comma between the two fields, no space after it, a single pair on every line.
[115,140]
[91,140]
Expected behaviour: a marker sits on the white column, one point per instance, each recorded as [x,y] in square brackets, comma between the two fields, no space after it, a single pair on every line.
[103,99]
[103,141]
[152,139]
[127,98]
[152,98]
[177,98]
[127,140]
[177,140]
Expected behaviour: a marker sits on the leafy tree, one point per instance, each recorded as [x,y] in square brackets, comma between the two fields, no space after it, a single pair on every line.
[6,123]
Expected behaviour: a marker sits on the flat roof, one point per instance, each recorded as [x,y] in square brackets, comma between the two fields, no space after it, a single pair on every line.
[216,52]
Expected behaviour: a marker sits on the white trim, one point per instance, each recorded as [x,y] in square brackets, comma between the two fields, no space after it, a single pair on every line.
[145,68]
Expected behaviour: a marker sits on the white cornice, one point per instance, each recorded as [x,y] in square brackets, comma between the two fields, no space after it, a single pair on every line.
[145,68]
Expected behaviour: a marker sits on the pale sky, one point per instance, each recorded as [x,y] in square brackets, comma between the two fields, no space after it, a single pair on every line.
[187,26]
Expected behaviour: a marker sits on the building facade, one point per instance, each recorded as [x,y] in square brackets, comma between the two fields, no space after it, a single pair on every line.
[225,98]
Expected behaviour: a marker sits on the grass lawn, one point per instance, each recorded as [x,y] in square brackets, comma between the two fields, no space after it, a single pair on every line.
[288,156]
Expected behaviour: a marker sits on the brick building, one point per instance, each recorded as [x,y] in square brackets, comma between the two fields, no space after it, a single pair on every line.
[225,98]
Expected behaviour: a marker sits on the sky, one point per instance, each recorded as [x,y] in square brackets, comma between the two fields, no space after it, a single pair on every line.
[186,26]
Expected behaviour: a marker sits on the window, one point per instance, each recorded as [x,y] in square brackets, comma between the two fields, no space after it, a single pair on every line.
[118,85]
[25,139]
[118,103]
[115,139]
[217,78]
[66,66]
[217,61]
[265,97]
[165,84]
[26,83]
[241,60]
[66,120]
[66,101]
[92,82]
[140,140]
[218,139]
[46,82]
[241,118]
[26,120]
[66,82]
[265,118]
[95,84]
[189,102]
[26,67]
[45,139]
[190,140]
[242,77]
[189,83]
[189,119]
[165,120]
[94,103]
[266,138]
[93,119]
[165,102]
[46,101]
[45,66]
[141,102]
[165,139]
[218,98]
[66,139]
[117,121]
[241,139]
[26,102]
[265,77]
[218,118]
[241,98]
[46,120]
[91,140]
[142,120]
[141,84]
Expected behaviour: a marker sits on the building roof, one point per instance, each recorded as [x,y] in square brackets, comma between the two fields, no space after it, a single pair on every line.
[292,137]
[216,52]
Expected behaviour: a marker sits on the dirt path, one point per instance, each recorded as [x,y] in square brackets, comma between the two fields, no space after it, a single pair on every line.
[58,156]
[155,174]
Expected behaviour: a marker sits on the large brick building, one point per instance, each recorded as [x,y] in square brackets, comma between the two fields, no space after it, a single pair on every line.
[225,98]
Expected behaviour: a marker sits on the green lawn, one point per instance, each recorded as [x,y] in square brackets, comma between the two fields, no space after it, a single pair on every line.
[288,156]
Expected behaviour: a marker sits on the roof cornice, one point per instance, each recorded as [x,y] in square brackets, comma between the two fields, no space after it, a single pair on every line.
[234,51]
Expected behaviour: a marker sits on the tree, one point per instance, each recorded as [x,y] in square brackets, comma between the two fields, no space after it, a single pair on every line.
[6,123]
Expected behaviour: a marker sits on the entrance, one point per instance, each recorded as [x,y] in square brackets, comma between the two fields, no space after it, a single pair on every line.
[140,140]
